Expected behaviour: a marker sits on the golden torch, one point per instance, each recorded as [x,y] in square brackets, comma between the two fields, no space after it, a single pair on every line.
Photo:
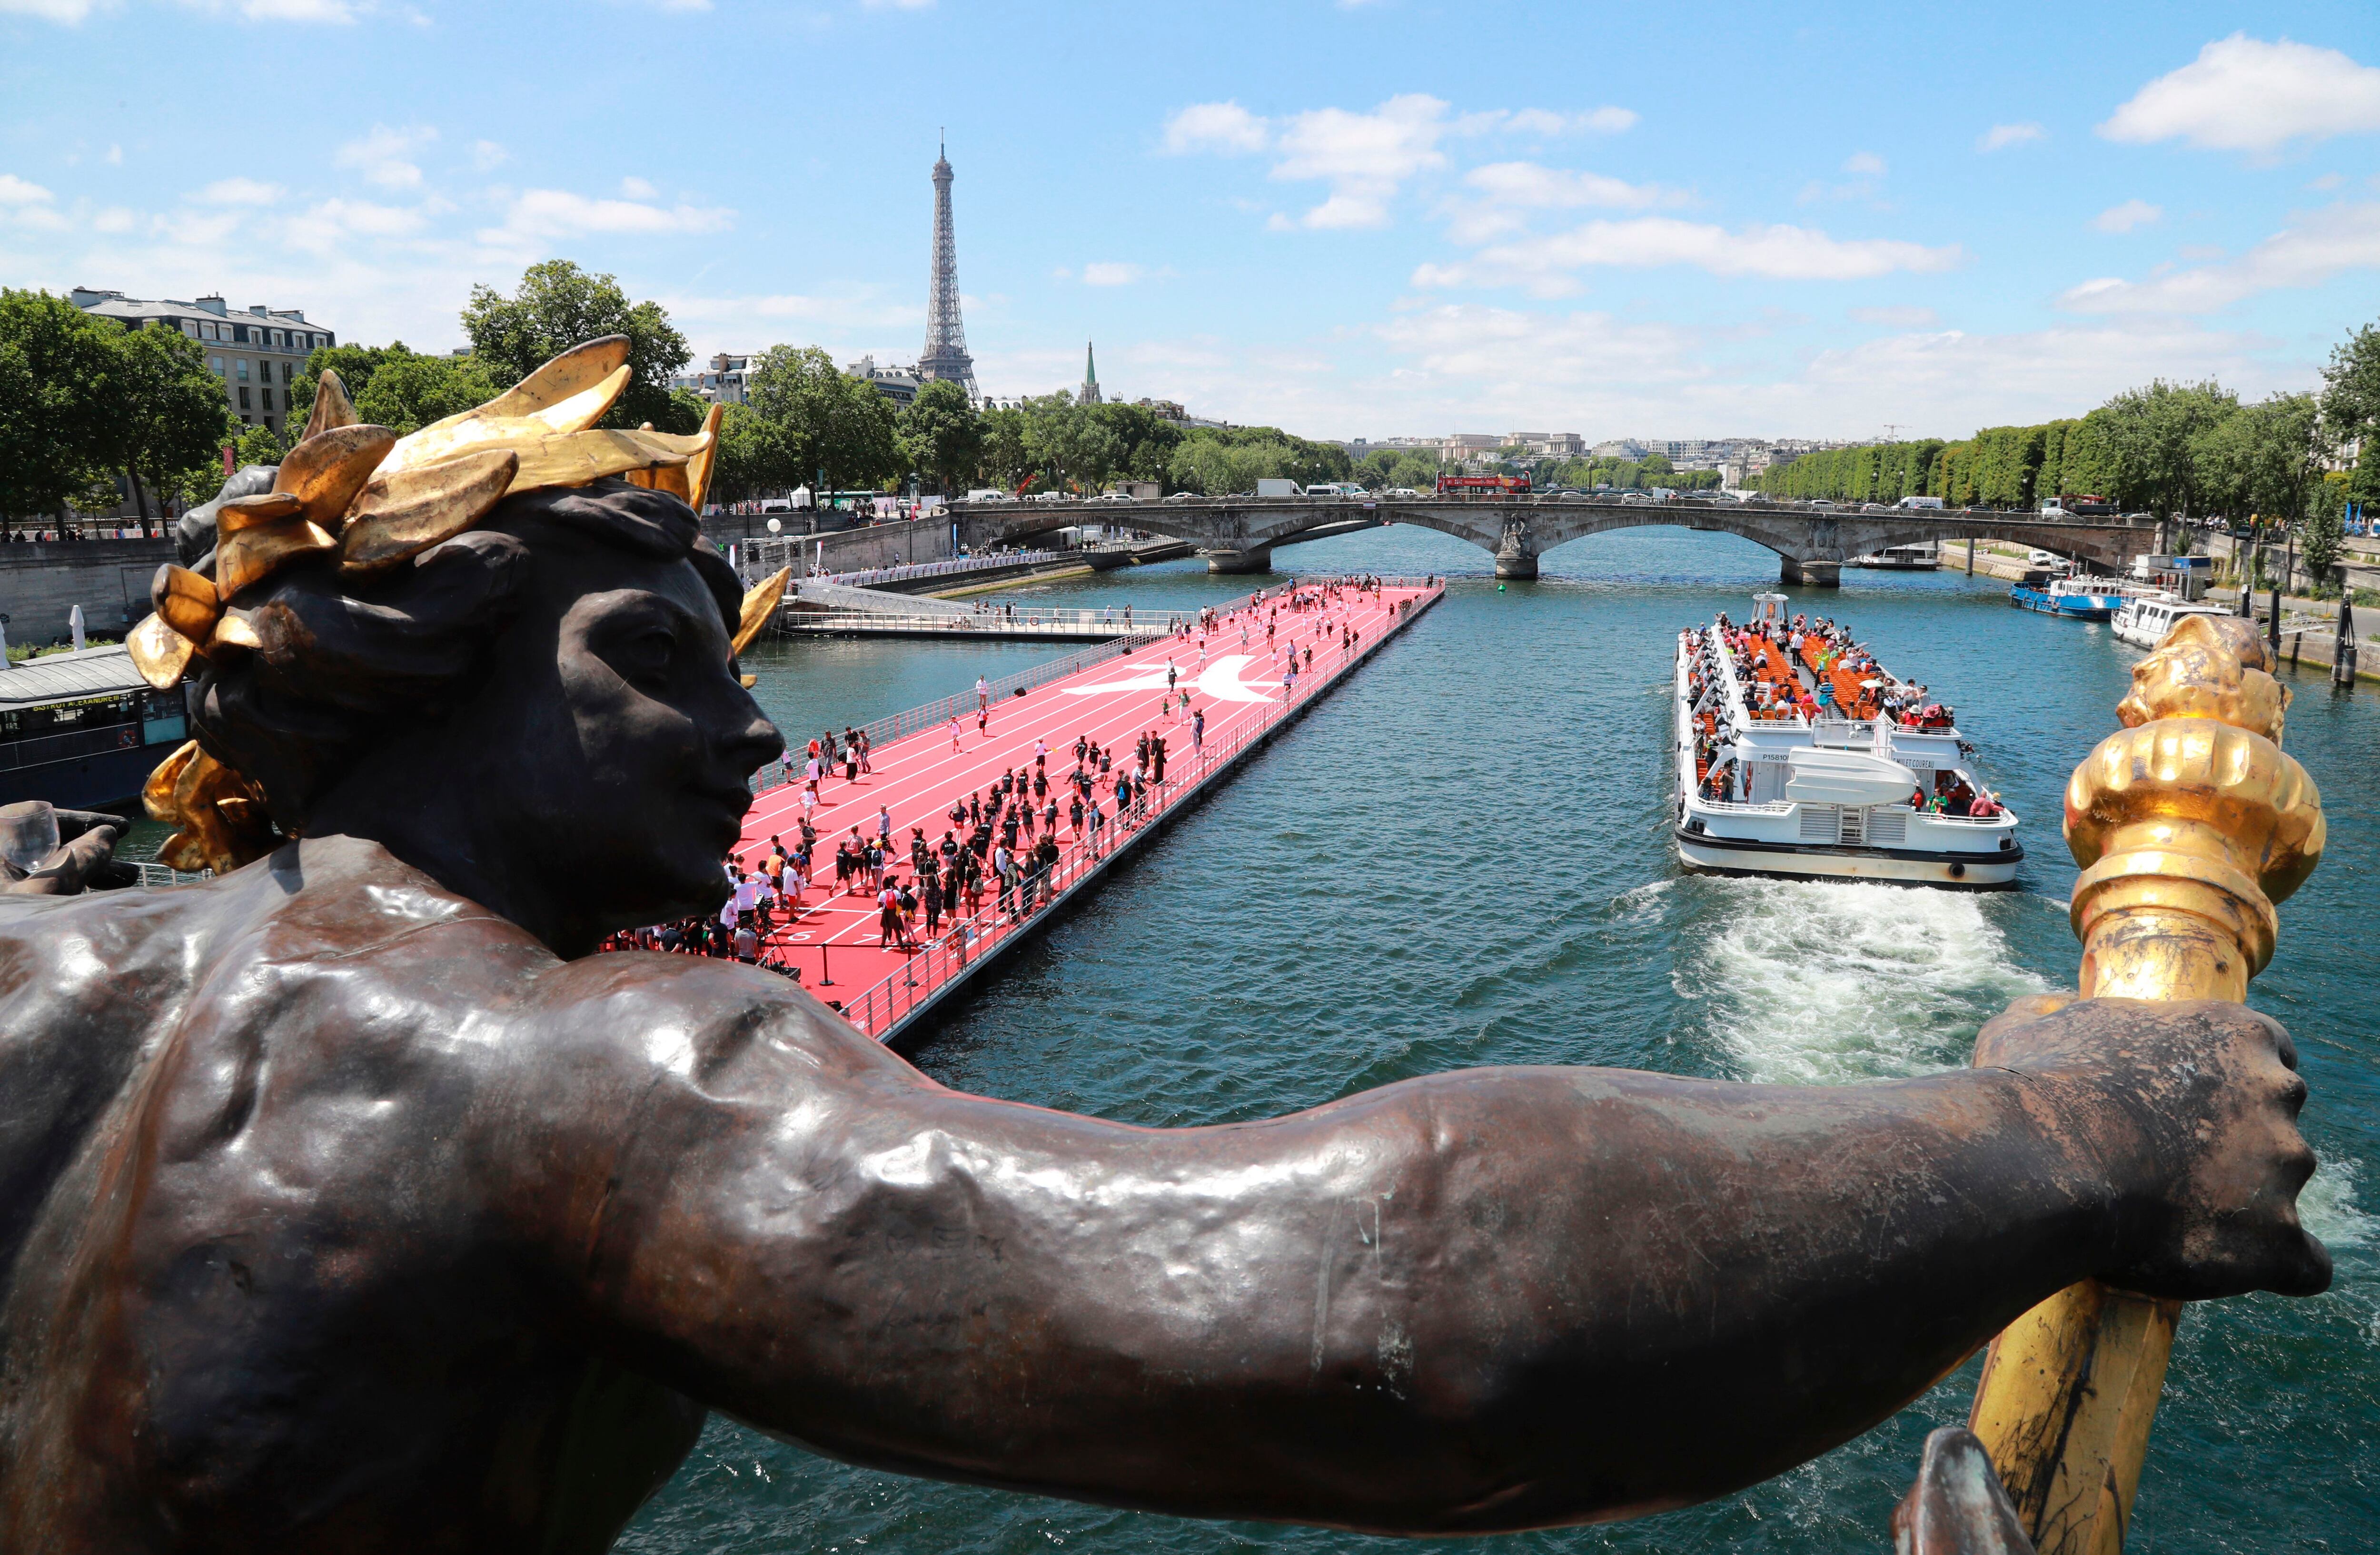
[2190,824]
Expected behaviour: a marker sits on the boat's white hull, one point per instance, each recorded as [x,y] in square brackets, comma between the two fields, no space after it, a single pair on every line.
[1707,853]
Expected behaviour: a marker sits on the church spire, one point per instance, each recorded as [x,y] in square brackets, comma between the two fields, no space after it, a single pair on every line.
[1090,395]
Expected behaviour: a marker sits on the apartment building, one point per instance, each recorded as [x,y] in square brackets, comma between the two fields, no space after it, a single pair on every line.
[256,351]
[723,382]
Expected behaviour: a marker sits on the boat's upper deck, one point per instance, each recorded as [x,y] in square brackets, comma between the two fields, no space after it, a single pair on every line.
[1803,680]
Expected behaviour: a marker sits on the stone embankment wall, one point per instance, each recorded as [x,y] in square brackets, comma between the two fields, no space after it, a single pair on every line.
[40,582]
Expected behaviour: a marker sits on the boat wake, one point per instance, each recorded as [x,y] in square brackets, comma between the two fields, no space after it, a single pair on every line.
[1821,984]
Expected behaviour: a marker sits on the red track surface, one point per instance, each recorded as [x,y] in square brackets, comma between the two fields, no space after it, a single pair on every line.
[918,778]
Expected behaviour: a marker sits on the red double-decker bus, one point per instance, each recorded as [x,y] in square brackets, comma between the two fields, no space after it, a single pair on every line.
[1483,485]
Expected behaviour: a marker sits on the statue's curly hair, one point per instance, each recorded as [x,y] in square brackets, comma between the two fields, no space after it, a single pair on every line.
[346,665]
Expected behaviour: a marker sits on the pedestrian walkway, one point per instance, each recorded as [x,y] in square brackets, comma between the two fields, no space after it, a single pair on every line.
[1235,688]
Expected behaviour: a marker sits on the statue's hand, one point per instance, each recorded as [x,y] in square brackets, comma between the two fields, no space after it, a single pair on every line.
[77,865]
[2190,1108]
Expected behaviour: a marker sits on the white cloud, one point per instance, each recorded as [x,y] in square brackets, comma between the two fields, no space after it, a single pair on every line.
[2242,94]
[1865,163]
[29,205]
[2330,242]
[888,4]
[115,219]
[1999,137]
[326,225]
[115,156]
[64,12]
[1215,127]
[1364,157]
[487,155]
[1498,197]
[2132,213]
[384,156]
[239,191]
[336,11]
[548,214]
[1895,318]
[1541,121]
[1775,252]
[1111,273]
[297,10]
[637,189]
[1470,340]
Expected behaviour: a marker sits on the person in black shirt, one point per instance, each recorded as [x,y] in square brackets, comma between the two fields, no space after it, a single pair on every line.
[1157,758]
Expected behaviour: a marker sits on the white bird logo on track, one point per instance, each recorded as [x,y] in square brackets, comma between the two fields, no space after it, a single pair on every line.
[1220,682]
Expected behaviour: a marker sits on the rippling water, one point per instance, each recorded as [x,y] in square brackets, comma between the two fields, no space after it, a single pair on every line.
[1459,857]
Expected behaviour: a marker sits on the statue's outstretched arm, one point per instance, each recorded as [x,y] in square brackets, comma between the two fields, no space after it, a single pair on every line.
[1483,1300]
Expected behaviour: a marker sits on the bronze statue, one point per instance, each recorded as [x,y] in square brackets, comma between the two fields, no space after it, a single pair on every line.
[347,1203]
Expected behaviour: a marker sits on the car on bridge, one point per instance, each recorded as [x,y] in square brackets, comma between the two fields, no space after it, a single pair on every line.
[1400,492]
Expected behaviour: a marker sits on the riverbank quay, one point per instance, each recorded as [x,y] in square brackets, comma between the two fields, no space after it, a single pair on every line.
[921,769]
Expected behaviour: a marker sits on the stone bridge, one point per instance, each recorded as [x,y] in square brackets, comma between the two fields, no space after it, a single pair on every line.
[1237,534]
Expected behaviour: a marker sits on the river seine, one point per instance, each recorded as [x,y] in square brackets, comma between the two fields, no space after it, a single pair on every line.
[1461,857]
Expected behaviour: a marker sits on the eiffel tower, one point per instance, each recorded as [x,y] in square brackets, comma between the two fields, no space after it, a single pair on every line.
[946,356]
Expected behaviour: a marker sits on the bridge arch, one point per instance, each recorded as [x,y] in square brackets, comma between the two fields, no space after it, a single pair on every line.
[1811,544]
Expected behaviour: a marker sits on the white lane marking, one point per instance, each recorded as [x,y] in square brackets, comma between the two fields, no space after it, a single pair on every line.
[1220,682]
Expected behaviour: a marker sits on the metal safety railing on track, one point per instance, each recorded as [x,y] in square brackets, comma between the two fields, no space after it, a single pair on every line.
[956,948]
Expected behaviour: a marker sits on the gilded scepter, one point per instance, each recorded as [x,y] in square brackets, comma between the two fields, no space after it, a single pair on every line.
[2190,824]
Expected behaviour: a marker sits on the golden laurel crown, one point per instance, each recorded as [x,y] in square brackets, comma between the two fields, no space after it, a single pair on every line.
[365,500]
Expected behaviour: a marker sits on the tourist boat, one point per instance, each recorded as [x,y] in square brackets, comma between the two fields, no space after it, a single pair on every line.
[2081,598]
[2144,619]
[83,730]
[1922,557]
[1770,790]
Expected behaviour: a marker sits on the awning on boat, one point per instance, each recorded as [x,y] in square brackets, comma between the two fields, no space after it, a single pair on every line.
[1845,777]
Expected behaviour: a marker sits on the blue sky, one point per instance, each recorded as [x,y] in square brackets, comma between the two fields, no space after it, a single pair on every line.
[1367,219]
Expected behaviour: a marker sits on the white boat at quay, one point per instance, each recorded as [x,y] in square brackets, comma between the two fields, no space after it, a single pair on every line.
[2144,620]
[1846,775]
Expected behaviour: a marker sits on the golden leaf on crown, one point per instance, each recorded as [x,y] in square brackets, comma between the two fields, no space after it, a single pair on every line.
[369,500]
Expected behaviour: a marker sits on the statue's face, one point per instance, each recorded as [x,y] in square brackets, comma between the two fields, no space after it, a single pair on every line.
[632,734]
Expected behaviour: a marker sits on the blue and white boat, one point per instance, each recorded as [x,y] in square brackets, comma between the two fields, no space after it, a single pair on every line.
[2083,599]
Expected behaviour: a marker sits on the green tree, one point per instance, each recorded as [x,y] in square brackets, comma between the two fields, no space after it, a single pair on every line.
[406,392]
[1003,462]
[174,419]
[557,306]
[258,445]
[2149,439]
[61,410]
[943,435]
[2350,410]
[2322,533]
[825,425]
[751,461]
[2350,385]
[355,364]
